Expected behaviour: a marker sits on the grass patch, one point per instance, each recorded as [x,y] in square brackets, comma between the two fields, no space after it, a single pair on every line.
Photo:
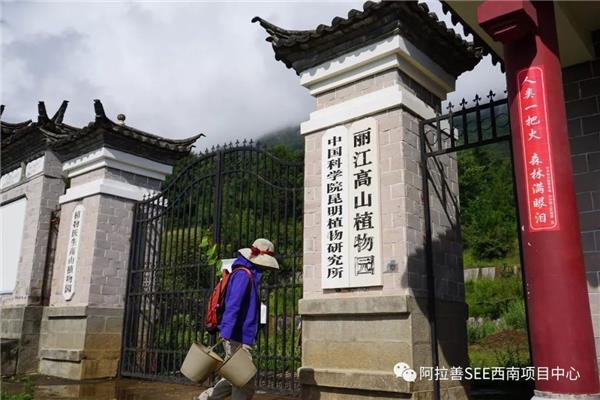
[497,325]
[27,393]
[481,358]
[470,261]
[514,317]
[506,348]
[490,298]
[478,330]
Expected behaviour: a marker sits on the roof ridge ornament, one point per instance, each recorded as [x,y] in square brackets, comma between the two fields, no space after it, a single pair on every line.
[99,110]
[60,113]
[42,113]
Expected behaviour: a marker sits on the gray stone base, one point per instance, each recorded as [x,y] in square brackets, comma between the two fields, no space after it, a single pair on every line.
[9,352]
[81,342]
[539,395]
[22,323]
[350,347]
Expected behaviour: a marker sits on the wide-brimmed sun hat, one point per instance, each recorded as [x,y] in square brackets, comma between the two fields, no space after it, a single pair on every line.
[262,252]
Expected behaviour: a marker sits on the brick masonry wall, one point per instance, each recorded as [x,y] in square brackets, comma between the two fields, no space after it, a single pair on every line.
[84,256]
[81,338]
[582,100]
[101,271]
[335,332]
[444,204]
[22,310]
[102,262]
[117,175]
[111,252]
[392,217]
[401,203]
[80,342]
[42,192]
[373,83]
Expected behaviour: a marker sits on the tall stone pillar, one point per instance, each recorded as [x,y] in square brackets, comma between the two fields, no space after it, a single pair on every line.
[109,166]
[374,76]
[81,328]
[30,200]
[30,186]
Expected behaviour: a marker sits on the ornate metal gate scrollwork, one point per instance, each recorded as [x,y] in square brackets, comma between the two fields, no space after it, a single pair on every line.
[227,196]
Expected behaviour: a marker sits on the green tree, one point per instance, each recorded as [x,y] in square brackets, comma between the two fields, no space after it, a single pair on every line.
[488,219]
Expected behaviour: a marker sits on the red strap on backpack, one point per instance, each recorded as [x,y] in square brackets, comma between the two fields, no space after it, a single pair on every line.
[216,300]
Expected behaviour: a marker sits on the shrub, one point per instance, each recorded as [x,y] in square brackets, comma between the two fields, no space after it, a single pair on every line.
[20,396]
[27,393]
[488,220]
[511,356]
[490,298]
[479,329]
[514,317]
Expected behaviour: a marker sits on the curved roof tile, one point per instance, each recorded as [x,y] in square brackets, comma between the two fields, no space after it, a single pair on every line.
[303,49]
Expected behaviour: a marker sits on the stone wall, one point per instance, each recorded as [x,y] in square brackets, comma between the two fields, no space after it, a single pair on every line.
[353,337]
[81,336]
[80,342]
[22,309]
[23,324]
[117,175]
[375,82]
[103,254]
[393,217]
[401,204]
[582,96]
[42,191]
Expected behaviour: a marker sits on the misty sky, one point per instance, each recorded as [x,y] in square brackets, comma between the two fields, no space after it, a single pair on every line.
[173,68]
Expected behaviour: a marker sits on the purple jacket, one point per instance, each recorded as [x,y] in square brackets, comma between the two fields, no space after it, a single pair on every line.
[242,306]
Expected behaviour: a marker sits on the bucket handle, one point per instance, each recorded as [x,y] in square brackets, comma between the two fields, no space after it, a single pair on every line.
[214,345]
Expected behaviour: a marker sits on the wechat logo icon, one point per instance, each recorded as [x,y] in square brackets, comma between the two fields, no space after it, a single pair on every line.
[403,370]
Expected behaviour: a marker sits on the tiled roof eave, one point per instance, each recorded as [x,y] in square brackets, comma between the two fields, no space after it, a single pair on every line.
[477,41]
[51,133]
[301,50]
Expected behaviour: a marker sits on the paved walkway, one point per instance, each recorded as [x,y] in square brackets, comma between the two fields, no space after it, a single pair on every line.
[48,388]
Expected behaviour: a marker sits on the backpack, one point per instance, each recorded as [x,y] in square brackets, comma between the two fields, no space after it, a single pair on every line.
[216,301]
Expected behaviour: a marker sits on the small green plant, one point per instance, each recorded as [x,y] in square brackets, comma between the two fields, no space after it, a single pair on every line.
[478,330]
[511,355]
[27,393]
[489,298]
[212,256]
[19,396]
[514,317]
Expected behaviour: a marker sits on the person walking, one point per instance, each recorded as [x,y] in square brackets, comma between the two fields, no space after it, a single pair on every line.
[240,318]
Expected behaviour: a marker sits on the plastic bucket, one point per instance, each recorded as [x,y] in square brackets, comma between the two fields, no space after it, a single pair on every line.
[239,368]
[200,362]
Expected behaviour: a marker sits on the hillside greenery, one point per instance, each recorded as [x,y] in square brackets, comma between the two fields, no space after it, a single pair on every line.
[487,206]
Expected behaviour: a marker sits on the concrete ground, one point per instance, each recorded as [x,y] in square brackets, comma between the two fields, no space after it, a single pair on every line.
[49,388]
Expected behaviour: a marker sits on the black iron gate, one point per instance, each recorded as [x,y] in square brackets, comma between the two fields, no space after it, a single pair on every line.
[226,197]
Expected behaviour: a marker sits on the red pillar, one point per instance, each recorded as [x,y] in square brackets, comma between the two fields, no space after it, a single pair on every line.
[559,312]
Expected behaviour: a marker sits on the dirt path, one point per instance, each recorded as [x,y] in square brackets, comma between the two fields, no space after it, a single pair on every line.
[48,388]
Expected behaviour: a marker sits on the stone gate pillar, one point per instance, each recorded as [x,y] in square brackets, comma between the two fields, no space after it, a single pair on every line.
[109,167]
[365,307]
[30,186]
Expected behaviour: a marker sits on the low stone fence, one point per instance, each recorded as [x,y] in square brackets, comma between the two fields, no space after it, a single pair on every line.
[473,274]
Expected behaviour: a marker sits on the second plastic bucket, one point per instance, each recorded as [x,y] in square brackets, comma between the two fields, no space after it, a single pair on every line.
[239,368]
